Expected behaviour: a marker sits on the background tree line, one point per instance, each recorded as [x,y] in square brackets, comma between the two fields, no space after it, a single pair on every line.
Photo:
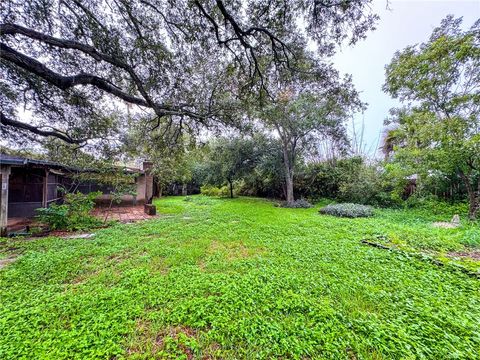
[126,79]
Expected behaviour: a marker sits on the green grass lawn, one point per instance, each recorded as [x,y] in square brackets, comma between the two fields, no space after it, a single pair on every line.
[242,279]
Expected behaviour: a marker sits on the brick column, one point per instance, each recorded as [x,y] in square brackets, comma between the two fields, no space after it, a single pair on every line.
[147,167]
[5,174]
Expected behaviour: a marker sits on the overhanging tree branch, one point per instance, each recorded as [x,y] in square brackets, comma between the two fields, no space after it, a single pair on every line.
[4,120]
[242,36]
[64,82]
[14,29]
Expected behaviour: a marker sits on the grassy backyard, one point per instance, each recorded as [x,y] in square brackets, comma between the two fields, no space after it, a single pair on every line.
[243,279]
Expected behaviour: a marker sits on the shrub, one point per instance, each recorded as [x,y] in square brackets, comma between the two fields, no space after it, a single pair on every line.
[225,191]
[352,179]
[367,185]
[433,205]
[210,190]
[55,216]
[347,210]
[300,203]
[73,214]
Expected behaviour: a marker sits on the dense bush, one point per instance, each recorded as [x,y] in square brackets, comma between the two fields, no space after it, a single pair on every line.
[348,180]
[259,171]
[73,214]
[347,210]
[322,179]
[367,187]
[300,203]
[210,190]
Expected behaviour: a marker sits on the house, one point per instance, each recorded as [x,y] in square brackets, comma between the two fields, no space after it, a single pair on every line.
[29,184]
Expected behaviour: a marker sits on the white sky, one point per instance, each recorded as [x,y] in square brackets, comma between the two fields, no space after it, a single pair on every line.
[407,22]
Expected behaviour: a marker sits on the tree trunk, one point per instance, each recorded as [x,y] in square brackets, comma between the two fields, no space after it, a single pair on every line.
[184,189]
[288,175]
[231,188]
[289,183]
[473,196]
[474,200]
[107,212]
[284,190]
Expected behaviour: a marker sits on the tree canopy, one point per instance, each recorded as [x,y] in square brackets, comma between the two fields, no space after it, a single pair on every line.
[72,63]
[230,160]
[306,109]
[439,129]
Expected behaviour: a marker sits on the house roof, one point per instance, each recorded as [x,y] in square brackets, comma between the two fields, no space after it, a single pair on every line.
[6,159]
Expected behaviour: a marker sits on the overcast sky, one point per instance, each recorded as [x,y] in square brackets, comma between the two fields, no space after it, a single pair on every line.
[407,22]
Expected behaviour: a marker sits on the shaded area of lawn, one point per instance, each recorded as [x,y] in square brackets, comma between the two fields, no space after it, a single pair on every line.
[240,279]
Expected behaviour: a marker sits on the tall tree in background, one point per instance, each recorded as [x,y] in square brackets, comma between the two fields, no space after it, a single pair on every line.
[306,110]
[230,160]
[440,128]
[70,63]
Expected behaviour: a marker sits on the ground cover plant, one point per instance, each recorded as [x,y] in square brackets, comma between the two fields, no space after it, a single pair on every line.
[349,210]
[241,279]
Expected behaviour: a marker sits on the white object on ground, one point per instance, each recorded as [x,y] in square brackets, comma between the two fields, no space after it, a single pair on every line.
[80,236]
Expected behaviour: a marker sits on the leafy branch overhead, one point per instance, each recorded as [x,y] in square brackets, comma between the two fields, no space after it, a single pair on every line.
[73,63]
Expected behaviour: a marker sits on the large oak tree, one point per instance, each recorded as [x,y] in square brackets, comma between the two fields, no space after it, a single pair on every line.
[71,63]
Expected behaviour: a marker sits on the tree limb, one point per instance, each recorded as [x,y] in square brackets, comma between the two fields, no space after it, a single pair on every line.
[4,120]
[65,82]
[12,29]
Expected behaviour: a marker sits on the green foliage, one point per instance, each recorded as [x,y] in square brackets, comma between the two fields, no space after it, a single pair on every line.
[229,160]
[471,237]
[55,216]
[268,177]
[365,184]
[439,133]
[350,180]
[240,279]
[73,214]
[436,206]
[210,190]
[348,210]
